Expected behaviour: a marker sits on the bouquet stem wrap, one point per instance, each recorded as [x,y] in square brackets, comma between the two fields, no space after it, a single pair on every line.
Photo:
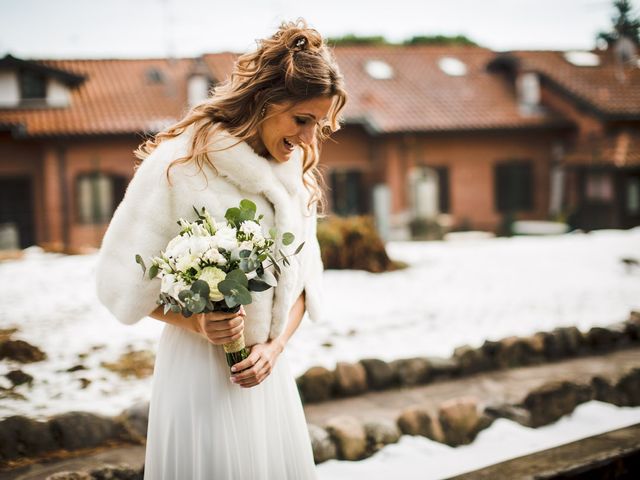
[235,351]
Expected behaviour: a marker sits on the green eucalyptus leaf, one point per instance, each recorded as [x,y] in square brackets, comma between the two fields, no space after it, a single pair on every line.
[299,248]
[257,285]
[288,238]
[237,276]
[245,253]
[233,215]
[273,232]
[247,204]
[201,287]
[153,271]
[175,308]
[184,295]
[140,262]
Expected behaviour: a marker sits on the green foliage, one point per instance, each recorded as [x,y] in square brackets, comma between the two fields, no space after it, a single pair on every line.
[352,243]
[351,39]
[439,40]
[624,22]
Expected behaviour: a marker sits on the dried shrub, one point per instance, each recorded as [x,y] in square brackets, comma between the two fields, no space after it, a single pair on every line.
[353,243]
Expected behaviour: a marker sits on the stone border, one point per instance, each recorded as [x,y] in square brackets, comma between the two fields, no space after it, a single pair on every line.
[457,421]
[320,384]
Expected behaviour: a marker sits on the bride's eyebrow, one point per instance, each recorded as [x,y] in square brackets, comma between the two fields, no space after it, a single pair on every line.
[312,116]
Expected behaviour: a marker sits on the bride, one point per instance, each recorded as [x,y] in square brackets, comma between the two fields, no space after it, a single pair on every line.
[257,136]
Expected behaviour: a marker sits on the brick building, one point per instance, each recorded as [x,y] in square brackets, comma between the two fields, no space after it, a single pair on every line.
[458,131]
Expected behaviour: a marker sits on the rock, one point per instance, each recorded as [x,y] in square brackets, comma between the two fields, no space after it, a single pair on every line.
[472,360]
[18,377]
[76,368]
[135,420]
[513,352]
[6,333]
[443,367]
[349,436]
[460,419]
[629,387]
[137,364]
[570,341]
[380,375]
[551,345]
[535,346]
[602,339]
[604,391]
[380,433]
[554,399]
[632,327]
[619,330]
[412,371]
[20,351]
[84,382]
[417,420]
[511,412]
[76,430]
[70,476]
[317,384]
[350,378]
[322,444]
[23,437]
[116,472]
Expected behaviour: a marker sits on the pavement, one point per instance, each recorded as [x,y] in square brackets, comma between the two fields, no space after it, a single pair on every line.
[507,386]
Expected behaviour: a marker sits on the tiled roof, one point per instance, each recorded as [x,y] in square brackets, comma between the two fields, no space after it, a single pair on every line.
[609,90]
[117,97]
[621,149]
[422,97]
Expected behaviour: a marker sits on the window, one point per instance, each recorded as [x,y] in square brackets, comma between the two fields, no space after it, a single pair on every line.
[32,85]
[98,195]
[513,186]
[599,187]
[429,190]
[633,195]
[346,192]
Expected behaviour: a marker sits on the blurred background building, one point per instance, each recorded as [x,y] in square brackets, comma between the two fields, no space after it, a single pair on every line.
[457,134]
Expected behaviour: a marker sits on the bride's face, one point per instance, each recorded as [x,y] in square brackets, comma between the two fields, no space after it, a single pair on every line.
[286,126]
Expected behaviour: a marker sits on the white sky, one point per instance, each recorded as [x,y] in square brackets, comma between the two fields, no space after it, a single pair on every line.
[157,28]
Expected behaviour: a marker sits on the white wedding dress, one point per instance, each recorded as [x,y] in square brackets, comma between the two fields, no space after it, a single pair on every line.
[203,427]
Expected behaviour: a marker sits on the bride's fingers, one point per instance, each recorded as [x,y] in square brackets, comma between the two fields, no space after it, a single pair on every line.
[252,374]
[258,379]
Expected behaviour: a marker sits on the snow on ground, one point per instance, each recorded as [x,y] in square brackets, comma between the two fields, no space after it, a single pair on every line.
[503,440]
[454,292]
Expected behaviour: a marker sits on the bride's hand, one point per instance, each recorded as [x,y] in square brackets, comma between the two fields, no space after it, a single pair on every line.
[220,327]
[258,365]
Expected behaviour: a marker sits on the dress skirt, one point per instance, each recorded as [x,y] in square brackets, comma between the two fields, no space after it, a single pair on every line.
[203,427]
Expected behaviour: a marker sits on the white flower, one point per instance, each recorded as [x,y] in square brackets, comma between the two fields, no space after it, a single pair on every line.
[213,276]
[187,261]
[198,245]
[178,246]
[213,255]
[225,237]
[172,286]
[246,245]
[249,227]
[199,230]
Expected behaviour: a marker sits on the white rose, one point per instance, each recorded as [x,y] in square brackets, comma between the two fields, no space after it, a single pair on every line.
[213,276]
[213,255]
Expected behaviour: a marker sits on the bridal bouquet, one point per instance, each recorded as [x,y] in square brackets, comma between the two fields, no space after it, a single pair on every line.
[211,266]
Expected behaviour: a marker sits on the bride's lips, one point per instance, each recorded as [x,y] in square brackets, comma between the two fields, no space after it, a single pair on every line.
[287,147]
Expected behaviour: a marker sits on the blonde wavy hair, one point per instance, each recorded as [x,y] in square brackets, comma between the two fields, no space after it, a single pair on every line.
[292,65]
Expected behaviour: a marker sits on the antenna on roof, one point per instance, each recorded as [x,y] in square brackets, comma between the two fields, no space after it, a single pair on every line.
[624,53]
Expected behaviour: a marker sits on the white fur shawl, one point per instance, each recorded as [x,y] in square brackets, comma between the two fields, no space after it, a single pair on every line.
[145,221]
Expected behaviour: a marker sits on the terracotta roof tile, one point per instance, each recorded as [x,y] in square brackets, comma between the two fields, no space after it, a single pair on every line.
[422,97]
[117,97]
[607,88]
